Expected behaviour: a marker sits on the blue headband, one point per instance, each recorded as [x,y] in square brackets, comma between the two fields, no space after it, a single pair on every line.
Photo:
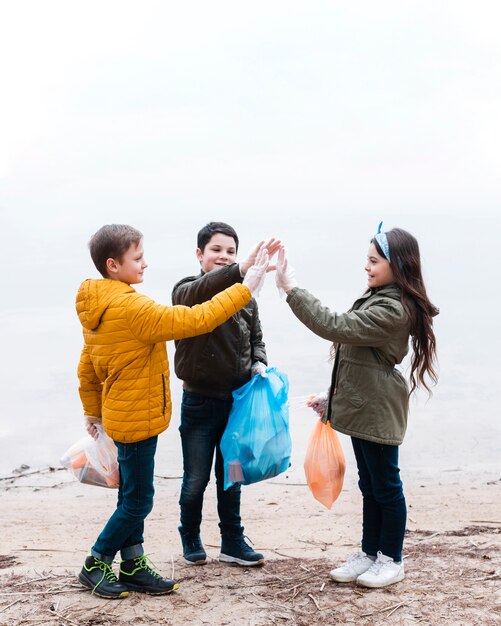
[382,241]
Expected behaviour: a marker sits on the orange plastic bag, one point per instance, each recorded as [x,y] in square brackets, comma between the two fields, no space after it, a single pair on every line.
[94,461]
[324,464]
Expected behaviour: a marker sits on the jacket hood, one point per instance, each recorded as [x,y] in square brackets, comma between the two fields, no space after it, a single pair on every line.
[93,298]
[394,291]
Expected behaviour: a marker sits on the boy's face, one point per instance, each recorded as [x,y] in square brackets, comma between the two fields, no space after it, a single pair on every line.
[221,250]
[130,268]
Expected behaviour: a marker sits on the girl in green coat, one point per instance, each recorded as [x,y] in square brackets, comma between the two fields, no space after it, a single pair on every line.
[368,396]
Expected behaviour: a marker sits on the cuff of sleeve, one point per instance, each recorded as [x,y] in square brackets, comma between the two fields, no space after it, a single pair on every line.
[92,419]
[291,293]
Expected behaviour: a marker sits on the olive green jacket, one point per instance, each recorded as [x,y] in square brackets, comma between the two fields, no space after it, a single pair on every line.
[368,397]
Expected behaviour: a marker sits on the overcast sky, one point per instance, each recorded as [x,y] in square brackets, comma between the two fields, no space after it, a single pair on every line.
[309,120]
[122,111]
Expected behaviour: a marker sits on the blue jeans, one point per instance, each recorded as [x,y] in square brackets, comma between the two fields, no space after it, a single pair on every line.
[384,509]
[203,421]
[124,530]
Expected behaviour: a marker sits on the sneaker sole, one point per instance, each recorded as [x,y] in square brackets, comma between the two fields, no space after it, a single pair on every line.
[343,579]
[226,558]
[346,578]
[151,592]
[375,585]
[199,562]
[88,585]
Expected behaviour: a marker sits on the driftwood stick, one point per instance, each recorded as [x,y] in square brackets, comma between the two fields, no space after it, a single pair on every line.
[33,580]
[275,604]
[391,608]
[314,600]
[44,470]
[63,617]
[428,537]
[298,584]
[36,593]
[4,608]
[396,608]
[490,577]
[287,556]
[43,550]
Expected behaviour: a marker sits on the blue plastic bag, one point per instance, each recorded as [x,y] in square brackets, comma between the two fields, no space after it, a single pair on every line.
[256,443]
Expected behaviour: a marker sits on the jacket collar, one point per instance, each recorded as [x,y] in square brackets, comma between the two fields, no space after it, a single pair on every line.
[390,291]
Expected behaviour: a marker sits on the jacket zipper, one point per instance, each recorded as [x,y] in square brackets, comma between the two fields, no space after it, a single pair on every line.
[165,397]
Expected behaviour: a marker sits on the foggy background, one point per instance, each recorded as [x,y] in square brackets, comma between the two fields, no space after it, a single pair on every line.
[310,122]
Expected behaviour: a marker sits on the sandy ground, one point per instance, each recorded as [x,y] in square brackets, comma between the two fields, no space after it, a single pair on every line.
[452,557]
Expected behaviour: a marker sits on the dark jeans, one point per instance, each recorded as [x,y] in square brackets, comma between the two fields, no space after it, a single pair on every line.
[124,530]
[384,509]
[203,421]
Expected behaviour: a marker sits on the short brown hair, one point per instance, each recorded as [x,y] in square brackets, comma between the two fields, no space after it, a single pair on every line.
[111,242]
[206,233]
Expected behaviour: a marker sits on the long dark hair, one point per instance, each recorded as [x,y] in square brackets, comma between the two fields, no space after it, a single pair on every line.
[405,262]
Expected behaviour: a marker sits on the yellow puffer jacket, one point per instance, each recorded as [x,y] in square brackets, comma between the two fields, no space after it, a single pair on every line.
[123,370]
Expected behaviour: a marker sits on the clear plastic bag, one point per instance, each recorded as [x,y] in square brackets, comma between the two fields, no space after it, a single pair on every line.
[324,464]
[94,461]
[256,443]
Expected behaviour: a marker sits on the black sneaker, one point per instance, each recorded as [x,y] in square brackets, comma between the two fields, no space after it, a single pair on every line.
[236,550]
[98,576]
[138,575]
[193,550]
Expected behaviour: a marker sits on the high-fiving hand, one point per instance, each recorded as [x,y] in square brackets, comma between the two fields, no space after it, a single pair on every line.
[271,246]
[254,276]
[285,276]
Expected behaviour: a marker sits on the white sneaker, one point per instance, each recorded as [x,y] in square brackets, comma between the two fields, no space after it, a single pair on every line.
[384,571]
[354,566]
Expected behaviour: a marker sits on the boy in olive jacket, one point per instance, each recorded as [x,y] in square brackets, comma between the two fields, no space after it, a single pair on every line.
[211,367]
[124,382]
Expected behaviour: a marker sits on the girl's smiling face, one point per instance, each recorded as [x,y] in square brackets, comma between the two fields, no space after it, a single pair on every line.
[220,251]
[378,268]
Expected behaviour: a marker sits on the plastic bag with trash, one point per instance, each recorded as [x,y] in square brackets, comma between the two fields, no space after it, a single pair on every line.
[256,443]
[324,464]
[94,461]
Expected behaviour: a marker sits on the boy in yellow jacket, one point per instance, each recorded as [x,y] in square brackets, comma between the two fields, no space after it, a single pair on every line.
[124,382]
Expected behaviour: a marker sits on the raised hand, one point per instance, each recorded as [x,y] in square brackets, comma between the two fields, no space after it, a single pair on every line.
[254,277]
[285,276]
[271,246]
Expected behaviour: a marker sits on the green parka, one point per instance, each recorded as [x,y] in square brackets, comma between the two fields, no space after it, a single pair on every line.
[368,397]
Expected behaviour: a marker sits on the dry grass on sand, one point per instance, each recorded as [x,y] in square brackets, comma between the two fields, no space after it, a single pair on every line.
[451,580]
[452,555]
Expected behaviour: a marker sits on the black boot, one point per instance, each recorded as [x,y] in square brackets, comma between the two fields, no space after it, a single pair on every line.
[193,550]
[138,575]
[234,549]
[99,577]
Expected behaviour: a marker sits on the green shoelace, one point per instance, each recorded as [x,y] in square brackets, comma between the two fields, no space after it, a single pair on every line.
[107,572]
[144,562]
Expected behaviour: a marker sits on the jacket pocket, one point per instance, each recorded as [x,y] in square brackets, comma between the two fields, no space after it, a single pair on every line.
[352,396]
